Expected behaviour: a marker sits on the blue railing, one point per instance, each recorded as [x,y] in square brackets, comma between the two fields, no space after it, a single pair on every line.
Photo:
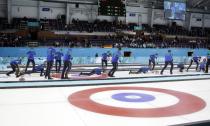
[87,55]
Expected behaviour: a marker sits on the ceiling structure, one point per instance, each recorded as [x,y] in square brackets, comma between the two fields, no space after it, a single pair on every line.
[191,4]
[203,4]
[198,4]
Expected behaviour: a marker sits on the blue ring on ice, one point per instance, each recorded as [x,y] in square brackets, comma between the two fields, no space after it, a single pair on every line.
[133,97]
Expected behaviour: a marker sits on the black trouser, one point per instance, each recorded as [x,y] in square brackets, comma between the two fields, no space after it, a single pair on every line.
[41,72]
[89,73]
[28,62]
[153,64]
[103,62]
[57,65]
[207,65]
[191,64]
[66,69]
[181,69]
[166,64]
[114,69]
[138,72]
[15,69]
[48,70]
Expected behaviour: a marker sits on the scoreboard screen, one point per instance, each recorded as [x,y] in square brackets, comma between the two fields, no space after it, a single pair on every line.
[175,9]
[112,7]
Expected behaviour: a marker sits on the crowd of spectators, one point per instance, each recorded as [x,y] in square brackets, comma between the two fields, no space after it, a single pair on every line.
[105,26]
[153,42]
[130,41]
[156,38]
[12,40]
[179,30]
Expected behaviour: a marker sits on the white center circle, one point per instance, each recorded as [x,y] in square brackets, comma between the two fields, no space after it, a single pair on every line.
[161,99]
[132,97]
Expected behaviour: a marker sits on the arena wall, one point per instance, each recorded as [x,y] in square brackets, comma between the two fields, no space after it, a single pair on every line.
[134,14]
[90,52]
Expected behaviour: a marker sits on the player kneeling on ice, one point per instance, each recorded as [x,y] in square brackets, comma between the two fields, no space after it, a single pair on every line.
[141,70]
[15,67]
[97,71]
[202,66]
[39,68]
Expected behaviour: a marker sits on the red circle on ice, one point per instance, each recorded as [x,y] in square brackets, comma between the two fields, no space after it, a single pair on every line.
[187,103]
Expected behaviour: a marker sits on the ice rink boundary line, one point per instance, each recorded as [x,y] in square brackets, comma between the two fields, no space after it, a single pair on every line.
[117,78]
[102,84]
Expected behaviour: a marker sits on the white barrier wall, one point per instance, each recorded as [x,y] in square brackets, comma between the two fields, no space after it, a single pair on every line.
[159,17]
[28,8]
[207,20]
[199,20]
[196,20]
[137,14]
[55,10]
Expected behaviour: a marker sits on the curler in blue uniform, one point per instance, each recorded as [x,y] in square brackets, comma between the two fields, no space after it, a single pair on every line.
[58,56]
[50,58]
[208,61]
[168,60]
[96,71]
[141,70]
[196,60]
[15,67]
[104,60]
[31,55]
[67,64]
[202,66]
[152,61]
[115,60]
[39,68]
